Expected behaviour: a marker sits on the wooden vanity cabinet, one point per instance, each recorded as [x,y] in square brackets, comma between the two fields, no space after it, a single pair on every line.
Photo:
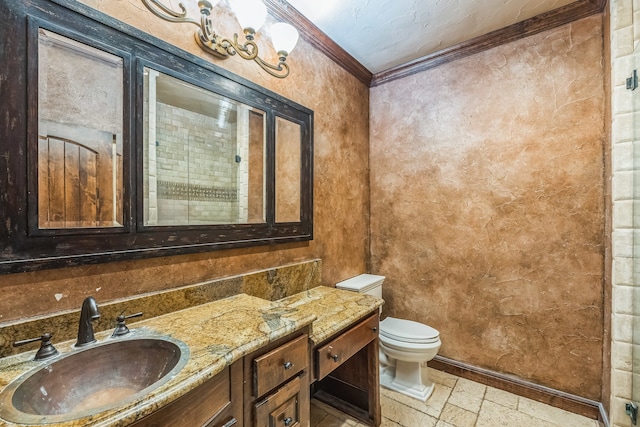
[271,386]
[215,403]
[347,371]
[277,384]
[267,388]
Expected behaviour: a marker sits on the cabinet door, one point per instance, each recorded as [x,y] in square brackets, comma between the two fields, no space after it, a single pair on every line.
[216,403]
[287,407]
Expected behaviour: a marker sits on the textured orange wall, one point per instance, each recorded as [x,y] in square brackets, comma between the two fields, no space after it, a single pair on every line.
[487,205]
[341,106]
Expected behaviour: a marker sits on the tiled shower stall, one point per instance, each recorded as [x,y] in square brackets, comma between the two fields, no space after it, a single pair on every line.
[625,186]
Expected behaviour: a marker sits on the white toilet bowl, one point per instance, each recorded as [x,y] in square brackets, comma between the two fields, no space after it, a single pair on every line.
[405,347]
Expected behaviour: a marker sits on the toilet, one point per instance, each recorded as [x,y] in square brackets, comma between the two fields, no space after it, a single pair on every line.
[405,345]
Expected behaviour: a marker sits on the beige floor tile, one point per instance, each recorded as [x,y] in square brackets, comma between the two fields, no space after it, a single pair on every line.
[435,403]
[467,404]
[472,387]
[405,415]
[557,416]
[386,422]
[467,401]
[319,410]
[494,415]
[458,417]
[331,421]
[441,377]
[501,397]
[433,406]
[467,395]
[317,415]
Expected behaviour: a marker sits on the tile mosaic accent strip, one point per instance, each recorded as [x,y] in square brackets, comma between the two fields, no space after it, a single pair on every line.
[179,191]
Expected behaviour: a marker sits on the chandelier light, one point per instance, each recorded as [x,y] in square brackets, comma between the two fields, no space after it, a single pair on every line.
[251,15]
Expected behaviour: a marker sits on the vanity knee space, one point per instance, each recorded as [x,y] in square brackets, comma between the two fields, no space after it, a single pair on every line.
[341,371]
[347,370]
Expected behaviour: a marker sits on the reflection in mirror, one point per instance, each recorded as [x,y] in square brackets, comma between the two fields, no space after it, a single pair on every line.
[120,146]
[203,156]
[288,146]
[80,119]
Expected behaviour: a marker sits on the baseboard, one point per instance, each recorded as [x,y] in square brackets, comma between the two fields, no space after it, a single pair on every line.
[559,399]
[603,416]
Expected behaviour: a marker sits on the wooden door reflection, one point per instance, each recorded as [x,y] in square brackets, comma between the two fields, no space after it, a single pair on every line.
[78,180]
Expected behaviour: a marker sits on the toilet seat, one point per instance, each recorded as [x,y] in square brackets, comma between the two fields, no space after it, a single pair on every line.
[405,345]
[407,331]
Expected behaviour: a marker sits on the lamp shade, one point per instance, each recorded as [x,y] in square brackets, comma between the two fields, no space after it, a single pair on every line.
[250,13]
[284,37]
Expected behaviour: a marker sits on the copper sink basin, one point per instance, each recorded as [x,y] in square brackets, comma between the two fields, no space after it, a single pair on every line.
[86,382]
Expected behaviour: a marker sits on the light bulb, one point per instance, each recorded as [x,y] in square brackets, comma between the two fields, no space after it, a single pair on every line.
[284,37]
[250,13]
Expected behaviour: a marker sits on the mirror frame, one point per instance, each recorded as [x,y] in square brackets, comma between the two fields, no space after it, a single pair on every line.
[24,246]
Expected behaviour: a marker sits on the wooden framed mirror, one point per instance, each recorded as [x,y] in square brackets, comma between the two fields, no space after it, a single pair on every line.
[121,146]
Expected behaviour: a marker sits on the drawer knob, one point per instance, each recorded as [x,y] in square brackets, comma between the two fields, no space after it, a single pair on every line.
[288,365]
[288,421]
[335,357]
[374,329]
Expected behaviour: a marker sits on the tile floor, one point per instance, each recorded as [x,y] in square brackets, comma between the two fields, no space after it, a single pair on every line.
[456,402]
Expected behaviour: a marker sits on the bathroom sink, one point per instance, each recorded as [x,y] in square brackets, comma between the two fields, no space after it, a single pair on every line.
[88,381]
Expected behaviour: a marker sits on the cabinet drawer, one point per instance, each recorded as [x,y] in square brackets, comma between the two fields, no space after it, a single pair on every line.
[340,349]
[209,404]
[273,368]
[281,409]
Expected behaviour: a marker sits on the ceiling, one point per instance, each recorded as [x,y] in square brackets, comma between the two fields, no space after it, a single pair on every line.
[382,34]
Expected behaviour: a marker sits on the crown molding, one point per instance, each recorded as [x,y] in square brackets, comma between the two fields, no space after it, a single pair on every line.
[579,9]
[283,11]
[543,22]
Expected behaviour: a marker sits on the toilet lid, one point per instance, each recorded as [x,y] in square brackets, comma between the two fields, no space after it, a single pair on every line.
[408,331]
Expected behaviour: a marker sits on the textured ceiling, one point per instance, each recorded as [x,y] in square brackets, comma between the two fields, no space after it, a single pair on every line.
[381,34]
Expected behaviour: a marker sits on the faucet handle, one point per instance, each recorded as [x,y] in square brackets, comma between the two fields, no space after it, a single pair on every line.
[46,349]
[121,328]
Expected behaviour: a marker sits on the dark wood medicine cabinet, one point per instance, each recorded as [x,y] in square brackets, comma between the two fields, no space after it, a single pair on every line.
[115,145]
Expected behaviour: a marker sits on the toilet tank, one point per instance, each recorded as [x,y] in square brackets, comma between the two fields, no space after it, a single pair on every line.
[364,283]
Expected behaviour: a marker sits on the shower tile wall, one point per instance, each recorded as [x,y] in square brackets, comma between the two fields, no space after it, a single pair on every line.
[192,152]
[625,34]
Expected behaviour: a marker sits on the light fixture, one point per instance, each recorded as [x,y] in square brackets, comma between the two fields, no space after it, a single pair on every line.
[251,14]
[284,38]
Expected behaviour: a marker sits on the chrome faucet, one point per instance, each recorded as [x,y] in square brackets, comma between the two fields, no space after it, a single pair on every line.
[88,313]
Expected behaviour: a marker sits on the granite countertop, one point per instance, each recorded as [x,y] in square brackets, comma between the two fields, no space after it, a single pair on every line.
[217,334]
[334,309]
